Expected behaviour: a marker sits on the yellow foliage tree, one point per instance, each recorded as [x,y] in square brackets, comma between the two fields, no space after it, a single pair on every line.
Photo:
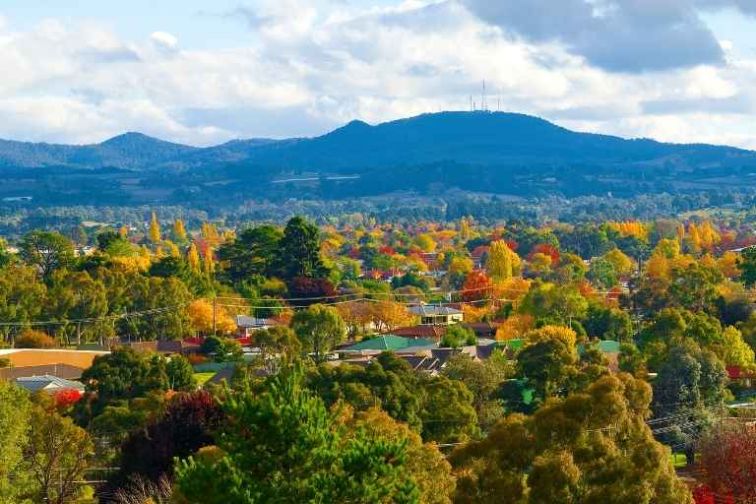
[425,242]
[551,332]
[728,265]
[154,232]
[515,327]
[179,231]
[200,314]
[623,265]
[502,262]
[193,258]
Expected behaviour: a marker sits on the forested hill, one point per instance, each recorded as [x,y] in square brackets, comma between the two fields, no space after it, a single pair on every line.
[488,152]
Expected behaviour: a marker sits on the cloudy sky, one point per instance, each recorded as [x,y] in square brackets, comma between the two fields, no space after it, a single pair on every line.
[202,72]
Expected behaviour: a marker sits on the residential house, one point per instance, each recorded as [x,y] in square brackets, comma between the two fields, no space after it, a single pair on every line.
[247,325]
[437,315]
[48,383]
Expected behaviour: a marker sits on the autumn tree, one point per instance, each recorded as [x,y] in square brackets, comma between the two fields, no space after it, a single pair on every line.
[188,424]
[179,231]
[502,262]
[728,460]
[154,231]
[592,446]
[205,317]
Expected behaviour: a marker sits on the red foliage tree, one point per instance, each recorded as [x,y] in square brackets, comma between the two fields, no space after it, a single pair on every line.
[305,287]
[728,461]
[477,286]
[66,398]
[546,249]
[187,425]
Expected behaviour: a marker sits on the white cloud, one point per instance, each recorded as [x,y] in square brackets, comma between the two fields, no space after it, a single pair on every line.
[164,40]
[307,67]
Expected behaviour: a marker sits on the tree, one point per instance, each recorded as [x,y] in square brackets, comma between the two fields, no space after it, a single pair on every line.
[204,318]
[564,454]
[193,259]
[283,445]
[476,286]
[747,265]
[179,231]
[425,462]
[20,294]
[608,323]
[180,374]
[502,262]
[734,351]
[435,406]
[319,329]
[554,304]
[154,232]
[123,374]
[299,251]
[602,273]
[457,336]
[14,419]
[222,349]
[188,424]
[254,252]
[279,340]
[58,454]
[47,250]
[483,379]
[728,460]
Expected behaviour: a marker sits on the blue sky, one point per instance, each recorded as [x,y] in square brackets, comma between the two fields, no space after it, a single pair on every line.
[203,72]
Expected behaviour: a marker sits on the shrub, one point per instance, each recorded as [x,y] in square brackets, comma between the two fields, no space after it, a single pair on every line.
[34,339]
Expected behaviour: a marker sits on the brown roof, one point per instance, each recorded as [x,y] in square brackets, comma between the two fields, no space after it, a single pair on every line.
[32,357]
[58,370]
[483,329]
[421,331]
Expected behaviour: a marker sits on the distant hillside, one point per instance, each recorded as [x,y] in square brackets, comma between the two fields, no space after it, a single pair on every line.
[127,151]
[497,153]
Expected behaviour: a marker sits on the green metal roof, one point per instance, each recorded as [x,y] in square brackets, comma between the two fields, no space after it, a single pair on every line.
[389,342]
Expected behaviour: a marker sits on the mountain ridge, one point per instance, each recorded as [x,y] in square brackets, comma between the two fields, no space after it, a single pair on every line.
[484,152]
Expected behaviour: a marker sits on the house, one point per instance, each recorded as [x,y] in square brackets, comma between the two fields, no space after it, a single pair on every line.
[247,325]
[48,383]
[437,315]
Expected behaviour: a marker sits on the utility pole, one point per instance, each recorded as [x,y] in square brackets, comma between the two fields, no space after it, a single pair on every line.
[215,311]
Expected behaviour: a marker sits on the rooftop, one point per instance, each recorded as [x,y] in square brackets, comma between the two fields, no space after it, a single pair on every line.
[389,342]
[47,382]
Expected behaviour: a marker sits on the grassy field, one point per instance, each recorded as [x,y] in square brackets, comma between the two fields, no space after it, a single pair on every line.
[203,377]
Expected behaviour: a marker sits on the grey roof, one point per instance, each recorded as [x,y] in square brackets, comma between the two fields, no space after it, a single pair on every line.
[430,310]
[247,322]
[47,382]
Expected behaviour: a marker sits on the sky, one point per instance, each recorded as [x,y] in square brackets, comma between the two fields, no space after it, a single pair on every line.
[203,72]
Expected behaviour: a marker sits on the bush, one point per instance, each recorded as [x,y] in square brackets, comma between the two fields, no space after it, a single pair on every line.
[457,336]
[34,339]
